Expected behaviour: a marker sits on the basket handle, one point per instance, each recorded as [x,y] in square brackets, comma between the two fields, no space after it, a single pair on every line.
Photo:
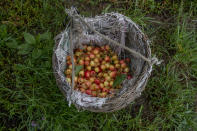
[73,13]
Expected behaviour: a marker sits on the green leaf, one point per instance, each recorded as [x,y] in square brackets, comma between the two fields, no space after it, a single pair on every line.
[36,53]
[29,38]
[3,31]
[77,69]
[119,79]
[13,44]
[25,46]
[24,49]
[23,52]
[19,67]
[45,36]
[107,9]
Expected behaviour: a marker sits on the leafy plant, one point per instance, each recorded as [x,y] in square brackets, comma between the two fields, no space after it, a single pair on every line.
[30,99]
[77,69]
[119,79]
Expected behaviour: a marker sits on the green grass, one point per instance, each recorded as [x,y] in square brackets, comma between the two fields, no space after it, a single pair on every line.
[28,91]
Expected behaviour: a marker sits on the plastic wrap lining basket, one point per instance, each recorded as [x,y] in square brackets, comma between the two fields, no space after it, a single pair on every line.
[118,28]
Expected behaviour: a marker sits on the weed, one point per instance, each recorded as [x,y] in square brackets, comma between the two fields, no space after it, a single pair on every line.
[30,99]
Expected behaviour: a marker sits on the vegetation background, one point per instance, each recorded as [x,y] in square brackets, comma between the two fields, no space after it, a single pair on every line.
[30,99]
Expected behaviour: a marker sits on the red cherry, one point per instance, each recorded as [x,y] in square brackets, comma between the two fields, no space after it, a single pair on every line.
[97,81]
[113,73]
[87,74]
[111,67]
[121,61]
[127,60]
[107,58]
[123,65]
[92,73]
[129,77]
[88,84]
[96,51]
[105,90]
[92,56]
[87,63]
[107,47]
[89,92]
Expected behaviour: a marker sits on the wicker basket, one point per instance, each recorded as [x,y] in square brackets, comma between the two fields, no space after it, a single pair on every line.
[118,28]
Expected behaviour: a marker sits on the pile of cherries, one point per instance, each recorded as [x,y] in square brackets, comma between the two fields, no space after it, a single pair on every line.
[100,67]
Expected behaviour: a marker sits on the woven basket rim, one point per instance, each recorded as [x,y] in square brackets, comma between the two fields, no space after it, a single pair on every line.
[110,101]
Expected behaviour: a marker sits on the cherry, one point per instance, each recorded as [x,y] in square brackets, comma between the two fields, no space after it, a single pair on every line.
[82,90]
[111,67]
[129,77]
[107,58]
[107,47]
[92,56]
[92,73]
[127,60]
[94,93]
[97,81]
[89,92]
[122,61]
[87,74]
[105,90]
[89,48]
[96,51]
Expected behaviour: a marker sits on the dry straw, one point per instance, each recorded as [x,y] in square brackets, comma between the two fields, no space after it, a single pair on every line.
[124,37]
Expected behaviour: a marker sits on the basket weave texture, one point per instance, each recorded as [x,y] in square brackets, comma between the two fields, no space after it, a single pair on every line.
[118,28]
